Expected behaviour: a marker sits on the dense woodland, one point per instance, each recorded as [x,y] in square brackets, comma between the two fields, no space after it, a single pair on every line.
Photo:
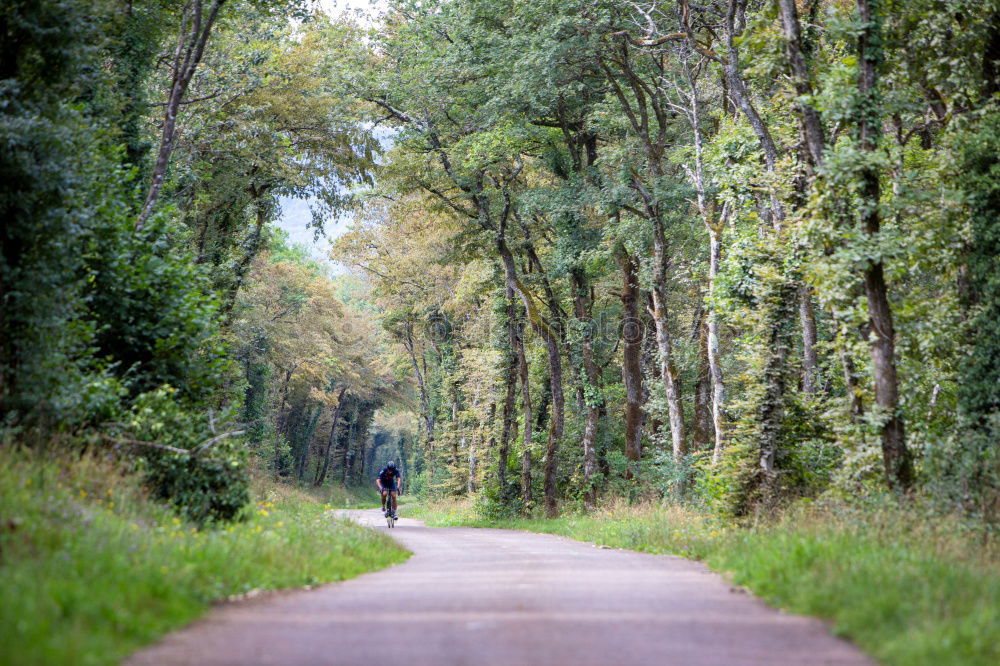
[732,253]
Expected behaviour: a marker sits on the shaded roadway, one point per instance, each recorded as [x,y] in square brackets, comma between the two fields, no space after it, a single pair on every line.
[483,597]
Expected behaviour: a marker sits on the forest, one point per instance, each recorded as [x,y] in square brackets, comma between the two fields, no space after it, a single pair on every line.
[730,253]
[721,277]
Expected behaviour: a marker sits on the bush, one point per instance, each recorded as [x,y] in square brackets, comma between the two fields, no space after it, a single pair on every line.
[211,482]
[979,393]
[202,489]
[155,320]
[494,504]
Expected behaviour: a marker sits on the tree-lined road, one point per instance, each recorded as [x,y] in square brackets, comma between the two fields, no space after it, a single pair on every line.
[501,597]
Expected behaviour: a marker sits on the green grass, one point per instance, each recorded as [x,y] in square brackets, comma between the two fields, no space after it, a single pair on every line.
[910,591]
[90,569]
[355,497]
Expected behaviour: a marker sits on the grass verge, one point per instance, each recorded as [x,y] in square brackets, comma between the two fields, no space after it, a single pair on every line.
[355,497]
[910,593]
[90,569]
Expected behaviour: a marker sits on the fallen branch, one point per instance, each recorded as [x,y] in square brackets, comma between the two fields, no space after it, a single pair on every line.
[139,442]
[194,453]
[209,443]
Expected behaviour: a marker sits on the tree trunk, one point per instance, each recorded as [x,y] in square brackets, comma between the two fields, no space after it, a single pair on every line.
[361,434]
[522,369]
[807,318]
[471,484]
[279,421]
[895,455]
[583,304]
[555,425]
[714,363]
[347,461]
[253,249]
[772,406]
[632,334]
[552,336]
[811,123]
[715,226]
[850,376]
[771,413]
[507,425]
[735,24]
[664,344]
[425,405]
[455,428]
[555,385]
[506,428]
[304,437]
[187,56]
[701,432]
[321,476]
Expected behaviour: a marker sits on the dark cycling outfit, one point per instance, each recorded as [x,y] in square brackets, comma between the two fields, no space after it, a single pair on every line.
[389,478]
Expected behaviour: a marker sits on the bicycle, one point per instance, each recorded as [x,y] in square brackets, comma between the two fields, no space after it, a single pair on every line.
[390,511]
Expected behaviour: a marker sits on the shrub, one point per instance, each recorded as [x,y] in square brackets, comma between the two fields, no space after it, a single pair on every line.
[494,504]
[205,474]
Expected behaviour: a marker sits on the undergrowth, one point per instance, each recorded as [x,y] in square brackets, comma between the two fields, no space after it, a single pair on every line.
[909,592]
[91,569]
[355,497]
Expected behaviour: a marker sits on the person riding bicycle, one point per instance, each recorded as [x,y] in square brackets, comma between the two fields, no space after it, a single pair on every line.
[389,483]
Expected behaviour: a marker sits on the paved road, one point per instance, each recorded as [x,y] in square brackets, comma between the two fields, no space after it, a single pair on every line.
[504,598]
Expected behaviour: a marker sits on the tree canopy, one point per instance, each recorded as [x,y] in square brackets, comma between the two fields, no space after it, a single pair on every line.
[732,253]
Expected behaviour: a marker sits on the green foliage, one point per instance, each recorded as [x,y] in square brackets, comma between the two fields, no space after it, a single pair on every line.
[43,145]
[978,456]
[156,318]
[208,484]
[495,504]
[255,404]
[725,487]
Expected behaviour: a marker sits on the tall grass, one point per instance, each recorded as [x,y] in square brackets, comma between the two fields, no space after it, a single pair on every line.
[909,590]
[355,497]
[91,569]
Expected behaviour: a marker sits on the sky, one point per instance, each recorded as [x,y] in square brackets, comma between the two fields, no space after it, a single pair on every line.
[295,213]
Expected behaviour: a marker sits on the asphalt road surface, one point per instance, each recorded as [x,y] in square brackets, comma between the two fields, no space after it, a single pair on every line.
[481,597]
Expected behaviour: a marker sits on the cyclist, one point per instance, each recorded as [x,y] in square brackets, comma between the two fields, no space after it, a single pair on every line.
[388,483]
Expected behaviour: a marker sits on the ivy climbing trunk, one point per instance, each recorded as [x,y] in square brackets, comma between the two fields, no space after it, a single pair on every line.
[631,333]
[522,370]
[701,424]
[583,302]
[510,387]
[513,285]
[807,320]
